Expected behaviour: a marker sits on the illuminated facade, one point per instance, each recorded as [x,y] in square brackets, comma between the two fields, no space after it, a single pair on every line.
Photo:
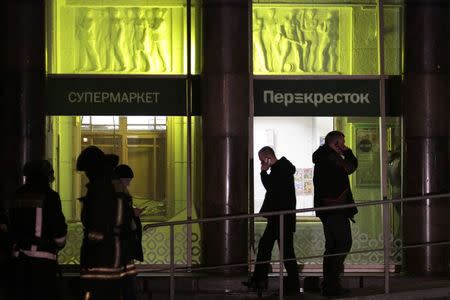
[323,41]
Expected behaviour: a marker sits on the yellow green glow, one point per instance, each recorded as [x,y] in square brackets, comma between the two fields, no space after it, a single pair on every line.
[96,38]
[66,144]
[328,40]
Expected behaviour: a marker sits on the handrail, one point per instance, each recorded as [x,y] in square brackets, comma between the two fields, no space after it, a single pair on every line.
[281,214]
[301,210]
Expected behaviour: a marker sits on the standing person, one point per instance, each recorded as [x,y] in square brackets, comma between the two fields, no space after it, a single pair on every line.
[38,231]
[280,195]
[123,175]
[334,161]
[5,257]
[104,258]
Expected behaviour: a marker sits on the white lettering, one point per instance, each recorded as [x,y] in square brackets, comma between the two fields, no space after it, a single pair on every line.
[268,96]
[365,98]
[328,98]
[279,98]
[288,99]
[298,98]
[71,97]
[346,96]
[318,98]
[97,97]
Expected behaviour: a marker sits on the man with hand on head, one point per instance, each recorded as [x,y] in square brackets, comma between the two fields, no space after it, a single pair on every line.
[280,195]
[334,161]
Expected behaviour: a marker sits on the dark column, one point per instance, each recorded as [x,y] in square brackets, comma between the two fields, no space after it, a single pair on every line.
[225,110]
[426,134]
[22,93]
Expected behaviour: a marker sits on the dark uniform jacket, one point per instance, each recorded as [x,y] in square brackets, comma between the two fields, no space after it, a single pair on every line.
[331,183]
[106,252]
[280,191]
[134,236]
[38,227]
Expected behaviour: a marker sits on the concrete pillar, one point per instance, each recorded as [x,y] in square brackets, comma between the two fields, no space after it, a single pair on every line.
[426,134]
[225,111]
[22,112]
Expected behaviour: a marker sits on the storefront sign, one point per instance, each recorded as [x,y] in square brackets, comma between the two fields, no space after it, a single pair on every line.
[316,97]
[115,96]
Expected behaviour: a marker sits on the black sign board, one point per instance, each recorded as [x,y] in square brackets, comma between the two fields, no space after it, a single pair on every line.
[83,95]
[356,97]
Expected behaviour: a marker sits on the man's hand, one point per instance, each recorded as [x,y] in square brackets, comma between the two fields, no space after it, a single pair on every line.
[265,166]
[339,146]
[343,148]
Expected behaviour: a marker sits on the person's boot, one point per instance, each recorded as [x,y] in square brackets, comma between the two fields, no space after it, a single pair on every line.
[291,286]
[333,289]
[256,284]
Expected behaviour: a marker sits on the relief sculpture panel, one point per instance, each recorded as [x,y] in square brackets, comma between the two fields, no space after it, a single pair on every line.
[297,40]
[130,39]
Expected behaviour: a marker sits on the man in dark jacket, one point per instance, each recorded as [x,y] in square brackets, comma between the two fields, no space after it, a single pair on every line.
[123,174]
[333,163]
[280,195]
[38,231]
[104,256]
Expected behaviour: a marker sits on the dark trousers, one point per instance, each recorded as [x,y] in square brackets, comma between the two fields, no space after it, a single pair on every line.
[129,288]
[102,289]
[35,278]
[266,243]
[338,239]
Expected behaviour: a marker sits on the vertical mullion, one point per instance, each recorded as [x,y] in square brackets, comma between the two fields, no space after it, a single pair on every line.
[189,136]
[383,158]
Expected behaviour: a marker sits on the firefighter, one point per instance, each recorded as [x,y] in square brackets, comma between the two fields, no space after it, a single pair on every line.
[104,258]
[38,231]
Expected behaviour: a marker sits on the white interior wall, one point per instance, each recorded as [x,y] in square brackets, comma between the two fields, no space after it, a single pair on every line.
[296,138]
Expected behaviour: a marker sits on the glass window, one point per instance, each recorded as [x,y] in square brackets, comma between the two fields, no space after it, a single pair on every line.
[395,181]
[146,123]
[155,147]
[393,43]
[297,138]
[100,123]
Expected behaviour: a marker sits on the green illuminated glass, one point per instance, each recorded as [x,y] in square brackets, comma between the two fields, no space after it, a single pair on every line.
[119,37]
[321,39]
[156,149]
[393,45]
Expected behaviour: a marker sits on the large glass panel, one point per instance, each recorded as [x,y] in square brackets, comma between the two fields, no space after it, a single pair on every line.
[393,42]
[155,148]
[315,37]
[119,37]
[297,138]
[395,182]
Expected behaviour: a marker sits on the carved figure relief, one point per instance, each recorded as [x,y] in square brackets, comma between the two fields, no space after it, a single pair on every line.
[129,39]
[86,33]
[296,40]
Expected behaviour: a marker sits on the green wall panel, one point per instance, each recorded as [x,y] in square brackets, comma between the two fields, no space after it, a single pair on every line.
[120,37]
[323,39]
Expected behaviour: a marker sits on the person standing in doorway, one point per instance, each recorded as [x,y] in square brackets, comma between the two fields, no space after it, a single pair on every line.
[280,195]
[334,161]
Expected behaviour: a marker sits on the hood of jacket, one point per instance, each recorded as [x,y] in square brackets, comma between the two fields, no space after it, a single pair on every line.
[284,165]
[322,153]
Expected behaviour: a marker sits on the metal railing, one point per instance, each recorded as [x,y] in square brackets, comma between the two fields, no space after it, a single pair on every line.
[386,240]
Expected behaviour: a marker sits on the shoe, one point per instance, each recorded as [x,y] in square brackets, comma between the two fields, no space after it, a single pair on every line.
[331,292]
[256,285]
